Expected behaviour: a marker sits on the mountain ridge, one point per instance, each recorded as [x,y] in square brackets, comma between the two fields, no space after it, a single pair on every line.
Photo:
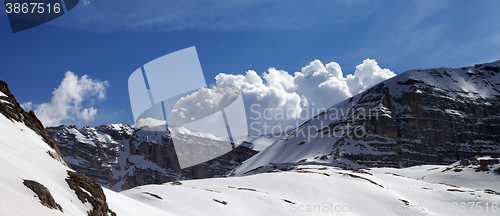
[120,156]
[431,116]
[34,182]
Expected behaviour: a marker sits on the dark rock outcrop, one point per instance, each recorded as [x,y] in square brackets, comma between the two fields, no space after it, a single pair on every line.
[43,194]
[83,185]
[489,163]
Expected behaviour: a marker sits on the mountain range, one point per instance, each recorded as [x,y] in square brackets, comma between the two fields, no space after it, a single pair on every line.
[121,157]
[422,143]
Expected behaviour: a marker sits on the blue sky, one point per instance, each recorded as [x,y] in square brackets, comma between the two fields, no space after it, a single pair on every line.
[107,40]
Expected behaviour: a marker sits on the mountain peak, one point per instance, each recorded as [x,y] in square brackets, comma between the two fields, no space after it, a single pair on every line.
[431,116]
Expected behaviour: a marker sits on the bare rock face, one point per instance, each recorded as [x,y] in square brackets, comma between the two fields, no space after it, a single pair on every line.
[221,166]
[434,116]
[11,109]
[425,126]
[93,151]
[83,185]
[427,123]
[121,157]
[488,164]
[43,194]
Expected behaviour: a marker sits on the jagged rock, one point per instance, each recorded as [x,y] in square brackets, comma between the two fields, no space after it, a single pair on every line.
[488,163]
[43,194]
[92,151]
[120,157]
[83,185]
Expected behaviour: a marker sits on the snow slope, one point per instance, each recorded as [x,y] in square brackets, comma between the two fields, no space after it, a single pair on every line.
[323,190]
[476,173]
[24,157]
[259,143]
[27,157]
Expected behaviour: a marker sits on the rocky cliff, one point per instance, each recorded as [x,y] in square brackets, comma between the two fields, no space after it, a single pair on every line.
[36,179]
[120,157]
[433,116]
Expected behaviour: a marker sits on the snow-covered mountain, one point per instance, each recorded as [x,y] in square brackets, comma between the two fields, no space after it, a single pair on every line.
[433,116]
[120,156]
[259,143]
[36,179]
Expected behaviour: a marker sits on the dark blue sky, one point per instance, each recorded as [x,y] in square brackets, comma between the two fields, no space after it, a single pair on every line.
[108,41]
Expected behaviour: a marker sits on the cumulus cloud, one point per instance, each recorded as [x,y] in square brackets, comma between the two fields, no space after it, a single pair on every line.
[191,107]
[68,100]
[202,103]
[367,75]
[149,122]
[278,99]
[87,114]
[274,95]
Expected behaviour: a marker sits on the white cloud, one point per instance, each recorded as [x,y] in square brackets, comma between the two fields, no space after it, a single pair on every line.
[87,114]
[280,99]
[202,103]
[191,107]
[27,105]
[150,122]
[322,86]
[274,94]
[277,100]
[367,75]
[68,100]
